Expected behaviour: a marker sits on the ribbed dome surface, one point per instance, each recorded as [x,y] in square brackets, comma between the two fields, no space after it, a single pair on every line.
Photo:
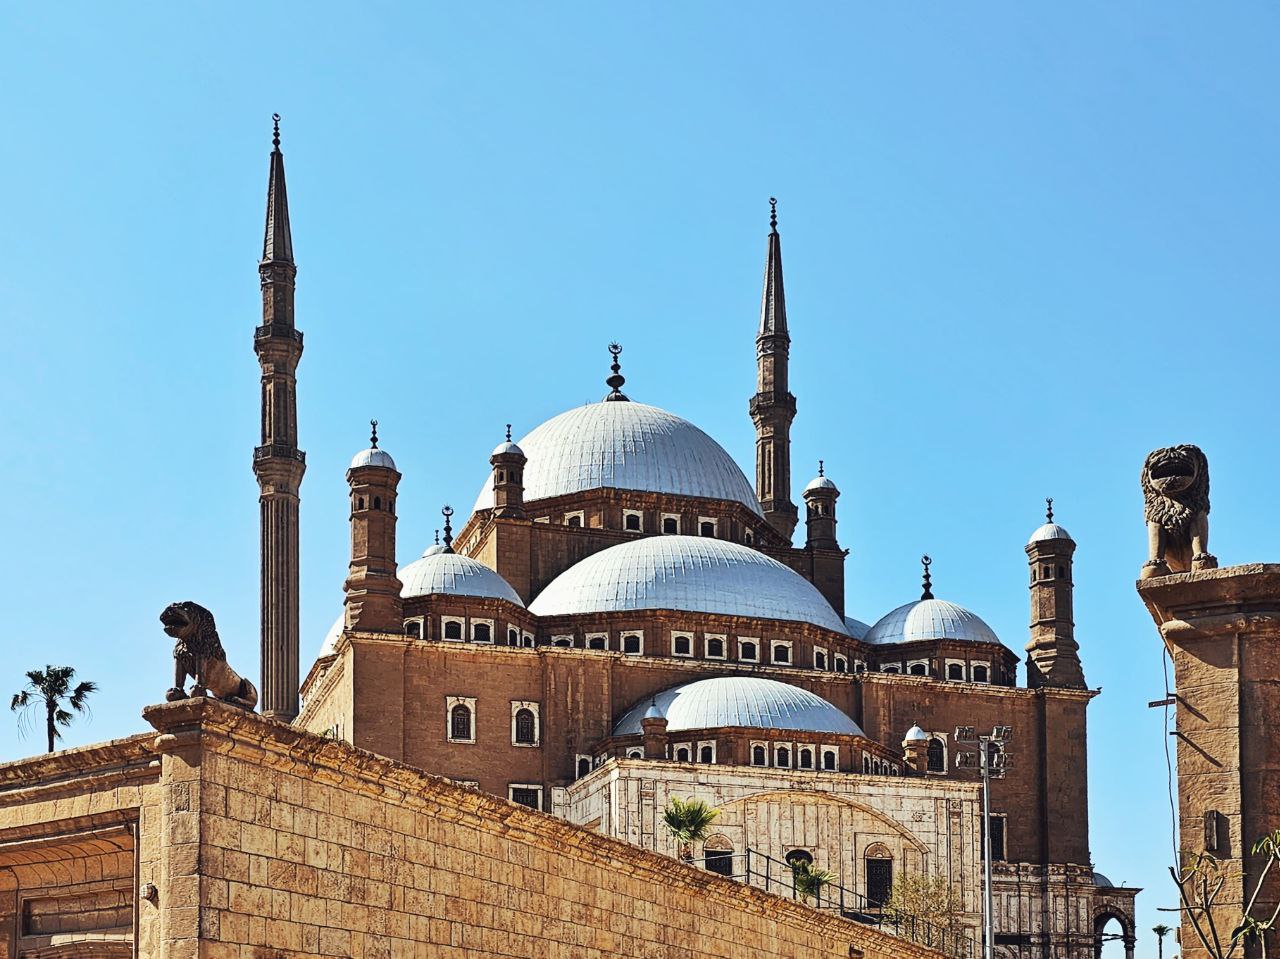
[626,446]
[930,619]
[856,627]
[441,572]
[740,701]
[1049,531]
[690,573]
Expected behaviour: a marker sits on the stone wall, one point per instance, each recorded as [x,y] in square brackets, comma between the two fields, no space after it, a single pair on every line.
[264,841]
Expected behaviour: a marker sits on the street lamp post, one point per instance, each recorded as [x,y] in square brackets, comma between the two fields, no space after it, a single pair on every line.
[990,763]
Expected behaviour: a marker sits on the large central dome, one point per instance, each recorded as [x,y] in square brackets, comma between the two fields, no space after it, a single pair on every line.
[692,573]
[626,446]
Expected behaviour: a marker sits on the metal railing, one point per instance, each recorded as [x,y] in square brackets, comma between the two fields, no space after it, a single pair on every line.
[778,877]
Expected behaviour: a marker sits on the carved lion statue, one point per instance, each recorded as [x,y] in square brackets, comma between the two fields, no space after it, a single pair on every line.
[198,653]
[1175,488]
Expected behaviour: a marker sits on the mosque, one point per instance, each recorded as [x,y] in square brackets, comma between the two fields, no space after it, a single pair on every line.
[624,619]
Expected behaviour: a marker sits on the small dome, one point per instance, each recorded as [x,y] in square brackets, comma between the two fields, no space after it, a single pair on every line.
[741,701]
[689,573]
[821,482]
[433,550]
[856,627]
[453,573]
[653,712]
[930,619]
[1102,881]
[507,448]
[627,446]
[373,457]
[915,735]
[331,637]
[1049,531]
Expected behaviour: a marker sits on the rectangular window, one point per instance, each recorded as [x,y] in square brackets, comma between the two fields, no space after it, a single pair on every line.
[781,652]
[879,881]
[748,649]
[633,642]
[451,628]
[482,631]
[670,524]
[575,519]
[525,795]
[682,644]
[998,824]
[564,642]
[707,526]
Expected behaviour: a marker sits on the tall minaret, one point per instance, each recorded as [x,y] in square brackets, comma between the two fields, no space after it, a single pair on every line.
[278,463]
[773,407]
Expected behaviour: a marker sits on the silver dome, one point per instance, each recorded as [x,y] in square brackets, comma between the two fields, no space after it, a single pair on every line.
[692,573]
[856,627]
[1049,531]
[928,619]
[1102,881]
[626,446]
[821,482]
[453,573]
[504,448]
[741,701]
[915,735]
[331,637]
[373,457]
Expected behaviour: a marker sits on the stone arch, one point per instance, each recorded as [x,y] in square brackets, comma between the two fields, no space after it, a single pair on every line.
[798,796]
[1104,914]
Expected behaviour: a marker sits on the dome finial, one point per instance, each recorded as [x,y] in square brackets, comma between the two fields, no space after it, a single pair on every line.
[1048,509]
[508,432]
[447,513]
[615,381]
[275,131]
[373,434]
[773,214]
[437,537]
[821,468]
[926,562]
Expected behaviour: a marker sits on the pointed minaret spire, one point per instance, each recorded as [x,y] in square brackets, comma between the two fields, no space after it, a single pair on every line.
[277,462]
[277,244]
[926,562]
[773,407]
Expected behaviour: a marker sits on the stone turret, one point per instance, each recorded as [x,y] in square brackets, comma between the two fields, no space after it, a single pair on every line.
[1053,656]
[372,588]
[508,462]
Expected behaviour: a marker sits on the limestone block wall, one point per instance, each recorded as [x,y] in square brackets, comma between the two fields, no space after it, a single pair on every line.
[307,846]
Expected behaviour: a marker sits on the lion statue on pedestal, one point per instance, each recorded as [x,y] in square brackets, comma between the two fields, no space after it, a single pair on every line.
[198,653]
[1175,488]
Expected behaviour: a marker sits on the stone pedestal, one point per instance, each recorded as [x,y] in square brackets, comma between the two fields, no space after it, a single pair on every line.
[1222,630]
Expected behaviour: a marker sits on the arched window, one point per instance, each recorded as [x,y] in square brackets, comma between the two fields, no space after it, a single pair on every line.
[715,648]
[377,502]
[682,645]
[866,763]
[819,659]
[635,754]
[806,759]
[879,872]
[452,629]
[413,629]
[574,521]
[584,766]
[513,637]
[829,760]
[707,754]
[682,754]
[706,528]
[937,756]
[670,525]
[919,669]
[749,538]
[526,727]
[782,757]
[359,502]
[747,652]
[842,664]
[460,722]
[781,653]
[980,674]
[481,633]
[631,644]
[799,858]
[1048,571]
[718,855]
[758,756]
[955,671]
[597,642]
[632,522]
[890,669]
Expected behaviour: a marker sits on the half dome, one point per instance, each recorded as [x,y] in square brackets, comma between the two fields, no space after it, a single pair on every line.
[690,573]
[740,701]
[626,446]
[930,619]
[441,572]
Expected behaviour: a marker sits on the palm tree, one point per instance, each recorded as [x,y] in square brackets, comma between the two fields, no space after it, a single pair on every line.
[689,821]
[1161,931]
[51,687]
[809,880]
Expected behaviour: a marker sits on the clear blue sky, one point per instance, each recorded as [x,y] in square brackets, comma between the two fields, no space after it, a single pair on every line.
[1024,243]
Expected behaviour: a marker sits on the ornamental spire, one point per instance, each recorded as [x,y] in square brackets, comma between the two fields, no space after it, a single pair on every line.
[926,562]
[373,434]
[447,513]
[773,303]
[1048,509]
[615,381]
[277,242]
